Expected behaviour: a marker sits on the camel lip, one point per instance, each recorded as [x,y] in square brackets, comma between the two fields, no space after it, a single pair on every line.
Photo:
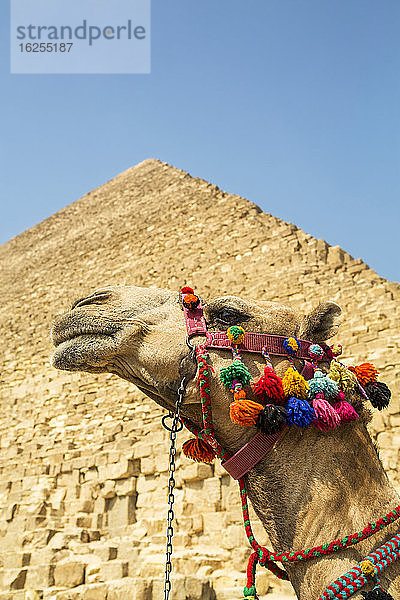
[59,335]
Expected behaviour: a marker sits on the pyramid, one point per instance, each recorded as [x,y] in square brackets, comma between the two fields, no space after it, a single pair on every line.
[83,460]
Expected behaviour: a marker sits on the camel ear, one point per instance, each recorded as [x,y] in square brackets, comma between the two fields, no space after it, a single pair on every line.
[321,323]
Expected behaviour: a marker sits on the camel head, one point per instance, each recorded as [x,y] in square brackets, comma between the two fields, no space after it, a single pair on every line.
[139,334]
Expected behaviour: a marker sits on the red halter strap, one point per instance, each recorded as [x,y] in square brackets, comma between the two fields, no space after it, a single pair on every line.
[253,342]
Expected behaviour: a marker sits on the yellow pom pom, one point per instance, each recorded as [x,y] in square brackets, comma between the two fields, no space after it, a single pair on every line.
[294,384]
[346,379]
[235,334]
[367,567]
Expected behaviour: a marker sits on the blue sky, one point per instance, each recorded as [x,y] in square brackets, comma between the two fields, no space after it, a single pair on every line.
[293,104]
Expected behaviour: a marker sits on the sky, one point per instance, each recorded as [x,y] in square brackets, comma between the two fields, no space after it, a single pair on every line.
[293,104]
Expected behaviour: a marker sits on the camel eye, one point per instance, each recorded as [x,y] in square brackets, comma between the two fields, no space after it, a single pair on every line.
[228,316]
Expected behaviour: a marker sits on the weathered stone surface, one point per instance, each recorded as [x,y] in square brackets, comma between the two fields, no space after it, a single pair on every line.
[83,457]
[69,573]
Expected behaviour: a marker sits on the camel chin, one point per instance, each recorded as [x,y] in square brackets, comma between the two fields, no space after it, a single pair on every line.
[91,353]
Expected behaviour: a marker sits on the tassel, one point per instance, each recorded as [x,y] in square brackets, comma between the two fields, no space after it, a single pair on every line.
[322,384]
[346,380]
[198,450]
[326,416]
[237,370]
[271,419]
[250,593]
[378,394]
[294,384]
[345,411]
[269,387]
[299,412]
[365,373]
[245,412]
[377,594]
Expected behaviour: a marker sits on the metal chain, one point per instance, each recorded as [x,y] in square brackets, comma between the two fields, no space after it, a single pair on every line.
[173,429]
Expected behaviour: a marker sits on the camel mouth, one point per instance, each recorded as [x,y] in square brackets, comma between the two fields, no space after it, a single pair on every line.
[62,333]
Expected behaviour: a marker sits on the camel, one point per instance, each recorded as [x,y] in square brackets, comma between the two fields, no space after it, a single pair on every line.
[313,487]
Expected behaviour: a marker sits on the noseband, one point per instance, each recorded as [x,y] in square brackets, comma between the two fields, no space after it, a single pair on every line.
[309,398]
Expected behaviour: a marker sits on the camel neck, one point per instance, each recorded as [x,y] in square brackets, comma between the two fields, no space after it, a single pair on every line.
[314,488]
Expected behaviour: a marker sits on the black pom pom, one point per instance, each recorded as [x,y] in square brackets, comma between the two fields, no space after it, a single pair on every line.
[378,394]
[377,594]
[271,419]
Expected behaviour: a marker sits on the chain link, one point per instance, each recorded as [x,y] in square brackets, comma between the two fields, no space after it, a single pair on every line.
[173,429]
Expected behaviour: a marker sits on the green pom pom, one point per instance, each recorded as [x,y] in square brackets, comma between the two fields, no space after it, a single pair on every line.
[251,591]
[237,370]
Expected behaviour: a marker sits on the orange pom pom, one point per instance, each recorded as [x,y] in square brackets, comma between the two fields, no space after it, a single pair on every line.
[240,395]
[245,412]
[365,373]
[198,450]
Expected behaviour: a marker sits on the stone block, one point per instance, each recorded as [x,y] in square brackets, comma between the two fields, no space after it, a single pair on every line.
[120,470]
[69,573]
[132,588]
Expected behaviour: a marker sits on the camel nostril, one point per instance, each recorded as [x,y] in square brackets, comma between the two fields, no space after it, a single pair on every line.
[95,298]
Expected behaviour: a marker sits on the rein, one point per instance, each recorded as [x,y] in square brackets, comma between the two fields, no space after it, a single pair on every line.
[251,453]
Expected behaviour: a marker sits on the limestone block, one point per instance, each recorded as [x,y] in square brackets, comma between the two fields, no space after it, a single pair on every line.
[126,487]
[114,569]
[108,489]
[120,511]
[196,472]
[69,573]
[120,470]
[212,489]
[14,579]
[147,483]
[39,577]
[96,591]
[132,588]
[147,465]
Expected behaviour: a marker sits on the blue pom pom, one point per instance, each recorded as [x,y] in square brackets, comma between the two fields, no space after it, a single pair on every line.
[299,412]
[322,383]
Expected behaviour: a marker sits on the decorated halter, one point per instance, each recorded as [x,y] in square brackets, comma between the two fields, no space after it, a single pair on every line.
[310,398]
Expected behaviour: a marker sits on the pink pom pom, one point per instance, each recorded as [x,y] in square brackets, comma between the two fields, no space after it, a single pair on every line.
[327,417]
[341,395]
[345,411]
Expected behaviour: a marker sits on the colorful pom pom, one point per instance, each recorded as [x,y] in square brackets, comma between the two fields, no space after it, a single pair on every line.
[315,352]
[237,370]
[322,383]
[326,416]
[294,384]
[236,334]
[345,411]
[187,290]
[299,412]
[245,412]
[269,387]
[365,373]
[291,345]
[191,301]
[379,394]
[346,380]
[336,349]
[271,419]
[198,450]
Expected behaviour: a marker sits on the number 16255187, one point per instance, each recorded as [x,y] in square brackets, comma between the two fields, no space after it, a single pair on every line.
[46,47]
